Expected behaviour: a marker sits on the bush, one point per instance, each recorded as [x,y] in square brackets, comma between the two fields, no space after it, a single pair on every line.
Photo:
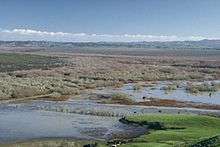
[64,90]
[121,98]
[137,86]
[4,95]
[169,87]
[205,87]
[26,91]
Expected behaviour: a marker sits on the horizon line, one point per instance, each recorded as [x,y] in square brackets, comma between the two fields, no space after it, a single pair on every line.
[37,35]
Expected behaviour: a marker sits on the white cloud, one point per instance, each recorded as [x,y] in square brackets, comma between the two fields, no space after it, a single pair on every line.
[28,34]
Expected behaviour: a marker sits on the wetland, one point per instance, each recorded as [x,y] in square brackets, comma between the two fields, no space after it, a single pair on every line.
[72,98]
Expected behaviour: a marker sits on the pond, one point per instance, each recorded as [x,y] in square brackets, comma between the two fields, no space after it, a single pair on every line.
[25,121]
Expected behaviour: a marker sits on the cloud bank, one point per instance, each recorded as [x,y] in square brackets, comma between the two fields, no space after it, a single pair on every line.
[28,34]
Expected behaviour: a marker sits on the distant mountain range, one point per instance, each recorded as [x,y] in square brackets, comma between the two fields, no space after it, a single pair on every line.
[203,44]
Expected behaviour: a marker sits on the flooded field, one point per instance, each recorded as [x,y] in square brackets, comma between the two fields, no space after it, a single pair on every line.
[84,118]
[84,97]
[156,91]
[76,119]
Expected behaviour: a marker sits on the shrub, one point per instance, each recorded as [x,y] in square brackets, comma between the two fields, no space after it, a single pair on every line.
[137,86]
[4,95]
[64,90]
[205,87]
[26,91]
[169,87]
[121,98]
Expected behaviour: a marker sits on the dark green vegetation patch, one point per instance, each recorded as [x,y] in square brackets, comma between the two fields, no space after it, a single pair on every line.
[177,130]
[16,61]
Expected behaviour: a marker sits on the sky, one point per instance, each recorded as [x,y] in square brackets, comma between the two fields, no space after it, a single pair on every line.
[109,20]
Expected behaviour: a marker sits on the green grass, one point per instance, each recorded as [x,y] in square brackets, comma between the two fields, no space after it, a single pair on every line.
[16,61]
[145,145]
[179,130]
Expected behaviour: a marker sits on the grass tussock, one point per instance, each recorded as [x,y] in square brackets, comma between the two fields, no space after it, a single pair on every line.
[170,87]
[137,86]
[120,98]
[204,87]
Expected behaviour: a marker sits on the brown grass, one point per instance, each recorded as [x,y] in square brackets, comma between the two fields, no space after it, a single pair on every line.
[84,71]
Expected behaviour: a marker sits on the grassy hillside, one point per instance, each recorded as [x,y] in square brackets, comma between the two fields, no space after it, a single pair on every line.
[177,130]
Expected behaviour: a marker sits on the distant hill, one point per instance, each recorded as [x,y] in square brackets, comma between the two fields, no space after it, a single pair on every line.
[203,44]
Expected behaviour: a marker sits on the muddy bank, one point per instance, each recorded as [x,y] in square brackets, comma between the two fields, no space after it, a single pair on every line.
[126,100]
[90,107]
[179,104]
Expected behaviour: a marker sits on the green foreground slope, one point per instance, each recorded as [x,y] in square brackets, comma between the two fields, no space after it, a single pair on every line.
[177,130]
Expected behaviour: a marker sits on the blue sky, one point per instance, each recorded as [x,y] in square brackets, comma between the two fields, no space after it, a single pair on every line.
[172,19]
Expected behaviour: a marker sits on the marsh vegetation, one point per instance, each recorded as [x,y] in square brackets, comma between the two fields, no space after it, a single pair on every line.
[68,74]
[203,87]
[15,61]
[114,84]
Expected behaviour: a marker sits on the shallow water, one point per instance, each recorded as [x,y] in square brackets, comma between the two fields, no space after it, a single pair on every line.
[76,119]
[156,92]
[87,119]
[21,122]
